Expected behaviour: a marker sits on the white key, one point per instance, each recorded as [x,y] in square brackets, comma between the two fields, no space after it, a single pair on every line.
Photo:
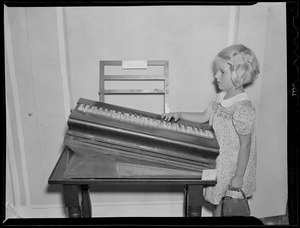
[89,110]
[173,127]
[80,107]
[93,110]
[201,132]
[155,123]
[184,129]
[210,134]
[106,113]
[99,111]
[152,122]
[132,118]
[189,129]
[169,126]
[193,131]
[164,125]
[118,115]
[143,119]
[114,115]
[122,117]
[177,127]
[139,120]
[111,112]
[127,117]
[147,120]
[197,131]
[136,119]
[159,123]
[85,108]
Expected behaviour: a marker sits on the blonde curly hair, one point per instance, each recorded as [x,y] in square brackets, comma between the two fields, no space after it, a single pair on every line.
[243,63]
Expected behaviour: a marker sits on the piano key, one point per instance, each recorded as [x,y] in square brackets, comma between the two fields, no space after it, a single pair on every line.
[99,111]
[122,117]
[111,112]
[169,126]
[184,128]
[85,108]
[159,124]
[147,120]
[136,119]
[151,124]
[156,123]
[81,106]
[93,110]
[193,131]
[133,118]
[127,117]
[164,125]
[208,134]
[197,132]
[118,115]
[96,110]
[189,129]
[177,127]
[104,112]
[142,120]
[114,115]
[139,120]
[202,132]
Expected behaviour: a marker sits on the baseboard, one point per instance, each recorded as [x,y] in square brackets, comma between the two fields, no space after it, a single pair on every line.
[105,209]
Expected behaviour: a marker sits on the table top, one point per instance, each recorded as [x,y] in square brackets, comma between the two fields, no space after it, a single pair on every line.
[56,177]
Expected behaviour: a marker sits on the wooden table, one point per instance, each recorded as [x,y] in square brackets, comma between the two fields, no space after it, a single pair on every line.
[193,188]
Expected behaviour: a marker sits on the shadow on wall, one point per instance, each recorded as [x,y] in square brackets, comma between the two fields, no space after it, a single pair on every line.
[57,189]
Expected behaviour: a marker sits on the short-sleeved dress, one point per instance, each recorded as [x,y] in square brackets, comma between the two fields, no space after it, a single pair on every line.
[230,117]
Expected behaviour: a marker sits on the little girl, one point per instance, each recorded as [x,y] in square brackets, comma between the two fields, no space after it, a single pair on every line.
[233,119]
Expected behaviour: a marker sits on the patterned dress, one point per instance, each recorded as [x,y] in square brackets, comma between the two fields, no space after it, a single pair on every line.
[229,118]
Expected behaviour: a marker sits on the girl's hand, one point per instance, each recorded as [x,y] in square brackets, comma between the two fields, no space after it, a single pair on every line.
[236,182]
[169,116]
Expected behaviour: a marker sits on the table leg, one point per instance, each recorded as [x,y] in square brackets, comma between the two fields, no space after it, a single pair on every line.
[193,200]
[71,199]
[86,201]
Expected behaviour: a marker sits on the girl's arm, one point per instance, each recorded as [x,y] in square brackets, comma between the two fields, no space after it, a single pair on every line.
[243,157]
[200,117]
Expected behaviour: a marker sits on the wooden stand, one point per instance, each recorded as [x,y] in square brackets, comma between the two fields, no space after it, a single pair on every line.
[72,187]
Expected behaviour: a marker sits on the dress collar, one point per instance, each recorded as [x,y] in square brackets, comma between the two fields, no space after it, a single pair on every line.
[229,102]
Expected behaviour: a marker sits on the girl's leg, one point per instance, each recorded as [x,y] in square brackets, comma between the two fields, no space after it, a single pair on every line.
[217,210]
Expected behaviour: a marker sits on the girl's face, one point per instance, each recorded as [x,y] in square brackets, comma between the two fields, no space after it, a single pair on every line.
[223,75]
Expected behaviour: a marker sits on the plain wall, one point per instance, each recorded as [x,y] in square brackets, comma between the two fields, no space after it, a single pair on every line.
[52,59]
[272,116]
